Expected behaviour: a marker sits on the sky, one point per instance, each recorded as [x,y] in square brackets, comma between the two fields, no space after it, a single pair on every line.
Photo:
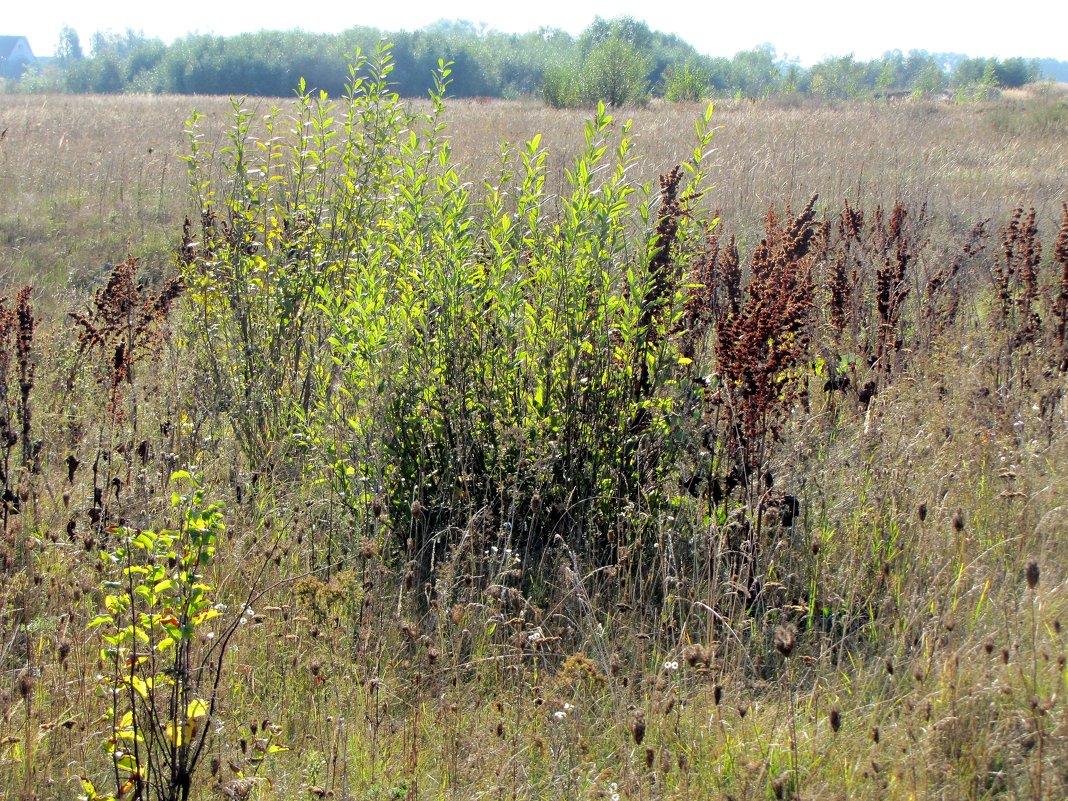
[805,31]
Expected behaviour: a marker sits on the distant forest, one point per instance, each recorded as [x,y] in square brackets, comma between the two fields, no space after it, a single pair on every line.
[619,61]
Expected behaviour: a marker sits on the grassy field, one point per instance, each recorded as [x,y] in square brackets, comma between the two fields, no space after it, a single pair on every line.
[86,179]
[529,486]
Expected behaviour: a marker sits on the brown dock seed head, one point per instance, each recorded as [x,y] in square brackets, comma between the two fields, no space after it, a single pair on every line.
[785,640]
[637,727]
[456,614]
[693,655]
[1031,573]
[25,684]
[921,511]
[835,719]
[669,704]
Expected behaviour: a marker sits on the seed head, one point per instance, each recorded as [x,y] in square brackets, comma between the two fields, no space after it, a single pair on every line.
[785,640]
[778,787]
[637,727]
[1031,573]
[835,719]
[958,520]
[25,684]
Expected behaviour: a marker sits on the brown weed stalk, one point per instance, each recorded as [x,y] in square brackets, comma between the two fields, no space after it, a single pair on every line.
[18,366]
[663,272]
[714,291]
[1015,274]
[17,326]
[845,272]
[899,247]
[1060,299]
[124,325]
[761,341]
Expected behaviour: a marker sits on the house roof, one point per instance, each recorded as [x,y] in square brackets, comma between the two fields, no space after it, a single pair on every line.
[7,44]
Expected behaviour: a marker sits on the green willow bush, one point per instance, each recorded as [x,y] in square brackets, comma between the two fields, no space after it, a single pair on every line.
[459,366]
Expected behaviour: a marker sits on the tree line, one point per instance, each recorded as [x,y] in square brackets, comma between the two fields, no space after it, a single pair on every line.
[619,61]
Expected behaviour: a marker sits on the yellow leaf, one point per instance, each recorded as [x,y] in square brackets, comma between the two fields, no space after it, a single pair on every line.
[196,709]
[174,734]
[206,615]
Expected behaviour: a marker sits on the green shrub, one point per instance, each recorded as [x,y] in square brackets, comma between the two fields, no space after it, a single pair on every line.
[439,358]
[688,83]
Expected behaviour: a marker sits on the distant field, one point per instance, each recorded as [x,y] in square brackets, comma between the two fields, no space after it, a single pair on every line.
[86,179]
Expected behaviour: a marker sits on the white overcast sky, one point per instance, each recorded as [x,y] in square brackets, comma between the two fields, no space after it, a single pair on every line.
[808,31]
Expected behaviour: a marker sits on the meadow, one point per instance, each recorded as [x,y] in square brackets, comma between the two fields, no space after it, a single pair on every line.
[347,453]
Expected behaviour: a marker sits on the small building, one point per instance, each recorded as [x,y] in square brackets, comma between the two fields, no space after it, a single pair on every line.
[15,56]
